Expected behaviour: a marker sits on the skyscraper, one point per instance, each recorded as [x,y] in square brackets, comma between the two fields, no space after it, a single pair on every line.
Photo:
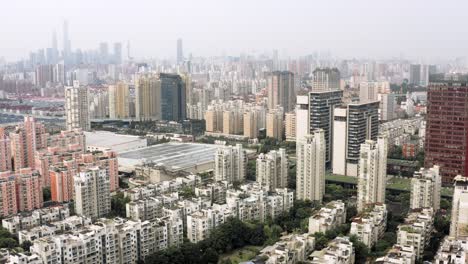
[180,53]
[118,53]
[281,90]
[104,52]
[326,79]
[76,107]
[353,125]
[230,163]
[446,142]
[372,173]
[173,94]
[425,189]
[272,169]
[66,43]
[310,175]
[321,106]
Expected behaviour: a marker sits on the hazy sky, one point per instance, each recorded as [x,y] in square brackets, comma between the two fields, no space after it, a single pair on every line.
[351,28]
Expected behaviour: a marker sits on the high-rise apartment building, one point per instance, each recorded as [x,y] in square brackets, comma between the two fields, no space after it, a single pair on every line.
[281,90]
[92,193]
[160,98]
[459,216]
[272,169]
[233,122]
[251,124]
[425,188]
[290,126]
[321,108]
[44,75]
[368,91]
[5,151]
[119,95]
[8,203]
[415,74]
[372,173]
[76,107]
[214,120]
[147,97]
[446,142]
[61,182]
[326,79]
[310,175]
[274,124]
[20,191]
[387,106]
[353,125]
[230,163]
[302,116]
[25,140]
[28,189]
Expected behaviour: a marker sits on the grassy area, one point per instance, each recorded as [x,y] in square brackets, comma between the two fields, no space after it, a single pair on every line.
[241,254]
[394,183]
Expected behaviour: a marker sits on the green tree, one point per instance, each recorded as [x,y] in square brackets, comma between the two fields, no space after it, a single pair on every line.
[118,204]
[46,194]
[26,245]
[187,192]
[360,249]
[251,170]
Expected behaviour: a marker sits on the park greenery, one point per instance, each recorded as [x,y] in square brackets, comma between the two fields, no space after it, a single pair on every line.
[118,205]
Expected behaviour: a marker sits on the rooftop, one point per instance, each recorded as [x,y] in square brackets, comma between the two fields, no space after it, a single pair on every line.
[171,155]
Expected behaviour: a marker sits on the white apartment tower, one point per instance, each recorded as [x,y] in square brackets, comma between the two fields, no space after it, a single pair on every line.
[459,224]
[76,107]
[272,169]
[372,173]
[230,163]
[310,178]
[425,188]
[92,193]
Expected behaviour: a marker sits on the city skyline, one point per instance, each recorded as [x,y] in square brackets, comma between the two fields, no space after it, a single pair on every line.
[347,29]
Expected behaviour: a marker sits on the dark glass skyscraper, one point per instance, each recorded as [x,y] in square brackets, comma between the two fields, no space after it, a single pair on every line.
[172,97]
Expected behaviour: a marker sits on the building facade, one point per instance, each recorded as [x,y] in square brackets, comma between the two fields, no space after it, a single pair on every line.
[272,169]
[372,173]
[353,125]
[446,127]
[425,188]
[77,107]
[230,163]
[310,175]
[92,193]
